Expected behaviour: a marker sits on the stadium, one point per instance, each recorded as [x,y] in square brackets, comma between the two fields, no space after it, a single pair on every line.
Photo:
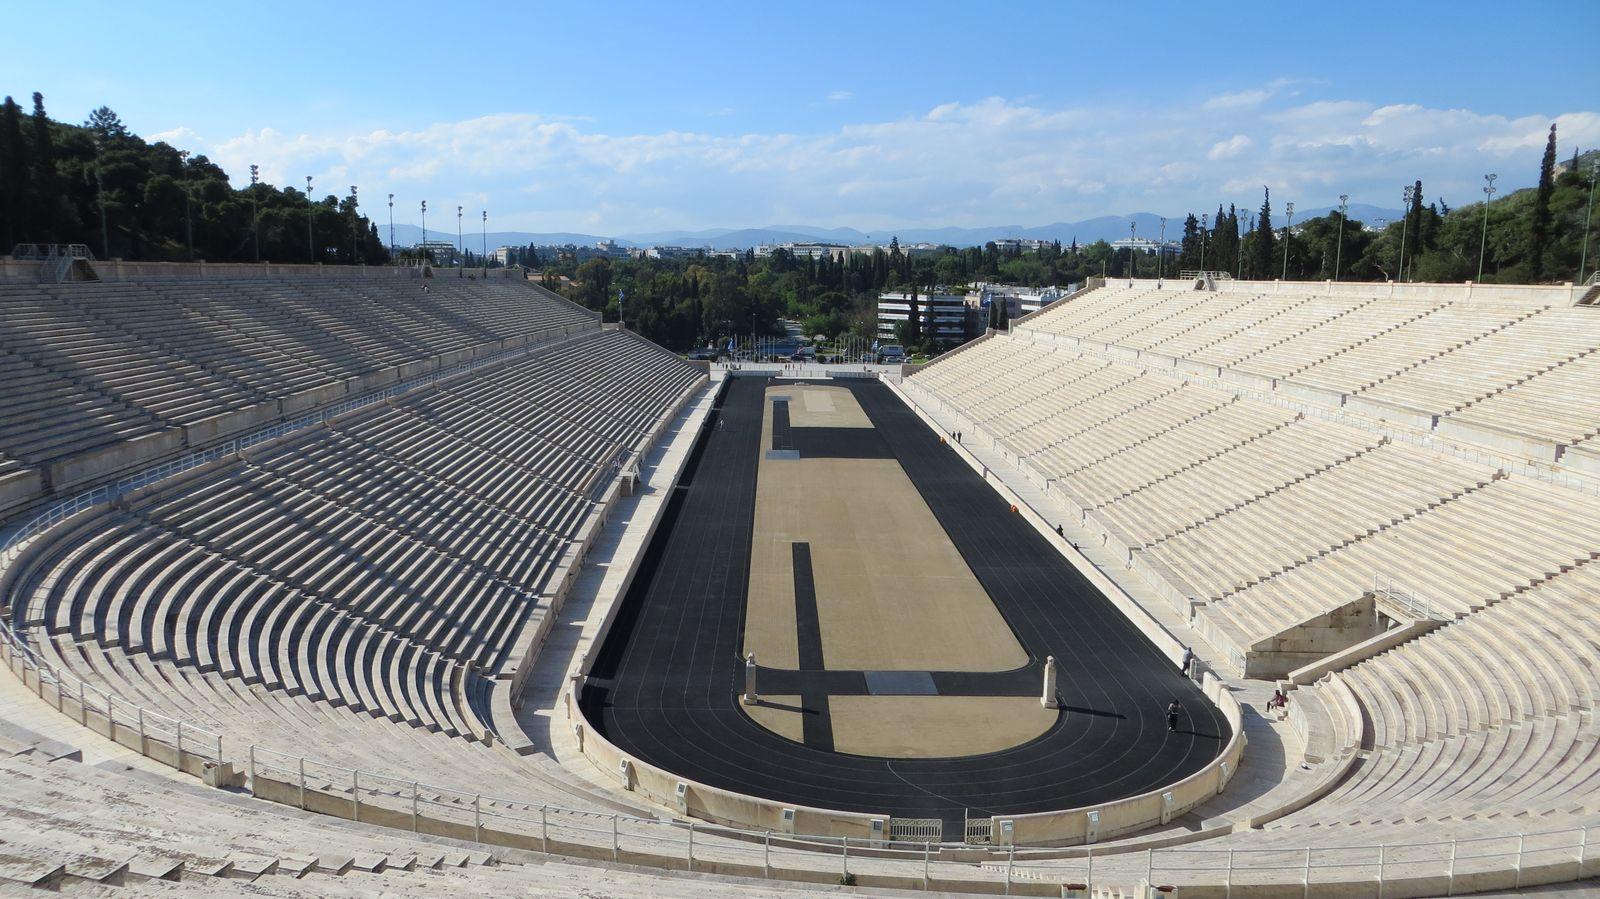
[466,591]
[1139,470]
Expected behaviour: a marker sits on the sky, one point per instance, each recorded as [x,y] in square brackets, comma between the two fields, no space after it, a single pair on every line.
[621,118]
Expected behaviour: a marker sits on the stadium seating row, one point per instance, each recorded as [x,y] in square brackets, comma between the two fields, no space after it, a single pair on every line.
[386,562]
[90,365]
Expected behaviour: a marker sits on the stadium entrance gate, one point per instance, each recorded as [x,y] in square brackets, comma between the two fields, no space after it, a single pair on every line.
[916,830]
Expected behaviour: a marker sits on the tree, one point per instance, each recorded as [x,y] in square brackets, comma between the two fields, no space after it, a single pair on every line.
[1262,245]
[106,125]
[14,199]
[48,200]
[1539,225]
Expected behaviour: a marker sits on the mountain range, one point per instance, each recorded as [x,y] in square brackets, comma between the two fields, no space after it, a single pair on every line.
[1106,227]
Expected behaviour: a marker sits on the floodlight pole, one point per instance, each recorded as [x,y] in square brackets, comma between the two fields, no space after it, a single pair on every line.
[255,209]
[1405,224]
[1483,240]
[188,215]
[1288,232]
[1132,227]
[100,198]
[1583,258]
[1161,252]
[1338,254]
[355,222]
[311,214]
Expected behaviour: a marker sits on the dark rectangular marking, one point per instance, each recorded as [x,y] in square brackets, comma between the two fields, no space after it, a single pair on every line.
[816,724]
[900,683]
[781,440]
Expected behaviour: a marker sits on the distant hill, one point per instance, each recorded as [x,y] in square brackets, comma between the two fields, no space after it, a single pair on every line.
[1105,227]
[409,235]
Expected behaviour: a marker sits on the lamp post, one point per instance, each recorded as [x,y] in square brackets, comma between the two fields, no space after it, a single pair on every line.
[1583,258]
[1239,265]
[1132,226]
[1405,224]
[355,221]
[1338,253]
[100,198]
[1161,252]
[1288,232]
[461,269]
[1203,219]
[1483,240]
[392,252]
[255,209]
[189,223]
[311,215]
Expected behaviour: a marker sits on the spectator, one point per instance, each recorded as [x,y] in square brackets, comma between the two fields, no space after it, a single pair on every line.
[1278,702]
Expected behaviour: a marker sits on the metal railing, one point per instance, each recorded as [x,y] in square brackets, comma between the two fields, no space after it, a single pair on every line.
[41,251]
[1413,602]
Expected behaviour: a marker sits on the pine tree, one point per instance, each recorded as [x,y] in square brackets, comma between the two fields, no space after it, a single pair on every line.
[14,212]
[1539,227]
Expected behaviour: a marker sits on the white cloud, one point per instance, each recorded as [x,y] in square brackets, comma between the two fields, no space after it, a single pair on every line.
[1241,100]
[1227,149]
[961,163]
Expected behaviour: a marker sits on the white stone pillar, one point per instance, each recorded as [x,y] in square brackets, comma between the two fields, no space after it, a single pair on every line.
[750,679]
[1048,698]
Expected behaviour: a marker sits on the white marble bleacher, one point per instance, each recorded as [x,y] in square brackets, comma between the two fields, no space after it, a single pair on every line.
[1557,405]
[1412,343]
[111,362]
[1348,501]
[1376,316]
[1460,556]
[384,563]
[1496,362]
[1232,477]
[81,829]
[47,415]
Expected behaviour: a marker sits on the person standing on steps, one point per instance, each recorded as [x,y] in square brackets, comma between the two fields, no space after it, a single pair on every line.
[1173,709]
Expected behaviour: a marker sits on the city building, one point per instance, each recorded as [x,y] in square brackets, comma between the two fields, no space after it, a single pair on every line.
[443,251]
[945,316]
[1019,300]
[1147,246]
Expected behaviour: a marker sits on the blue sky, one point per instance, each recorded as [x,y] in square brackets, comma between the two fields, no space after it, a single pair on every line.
[617,118]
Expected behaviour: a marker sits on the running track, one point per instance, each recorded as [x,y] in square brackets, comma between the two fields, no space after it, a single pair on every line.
[665,685]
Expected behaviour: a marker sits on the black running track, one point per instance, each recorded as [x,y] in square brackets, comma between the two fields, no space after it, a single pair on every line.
[665,687]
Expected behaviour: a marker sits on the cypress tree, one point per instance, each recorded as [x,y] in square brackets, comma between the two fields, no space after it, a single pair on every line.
[1539,227]
[14,212]
[1261,246]
[48,197]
